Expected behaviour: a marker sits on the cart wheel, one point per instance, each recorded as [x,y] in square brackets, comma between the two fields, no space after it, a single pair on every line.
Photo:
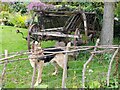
[31,37]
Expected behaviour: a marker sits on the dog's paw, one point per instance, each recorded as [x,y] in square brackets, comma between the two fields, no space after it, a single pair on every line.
[37,83]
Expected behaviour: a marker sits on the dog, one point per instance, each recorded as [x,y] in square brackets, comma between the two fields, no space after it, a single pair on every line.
[38,57]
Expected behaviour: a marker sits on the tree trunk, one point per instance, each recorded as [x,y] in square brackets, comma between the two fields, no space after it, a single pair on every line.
[108,23]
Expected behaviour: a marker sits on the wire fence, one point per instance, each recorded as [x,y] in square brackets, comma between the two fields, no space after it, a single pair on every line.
[16,71]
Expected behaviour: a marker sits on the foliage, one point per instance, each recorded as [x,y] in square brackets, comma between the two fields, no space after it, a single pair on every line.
[117,10]
[18,7]
[4,6]
[107,57]
[94,84]
[17,19]
[4,15]
[14,7]
[97,7]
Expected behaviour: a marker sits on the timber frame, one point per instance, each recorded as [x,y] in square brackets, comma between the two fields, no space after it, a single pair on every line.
[77,22]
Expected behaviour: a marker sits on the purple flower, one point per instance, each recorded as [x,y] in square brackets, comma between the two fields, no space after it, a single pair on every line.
[39,6]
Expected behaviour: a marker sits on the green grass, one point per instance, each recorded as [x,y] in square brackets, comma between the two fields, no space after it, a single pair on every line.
[19,74]
[11,40]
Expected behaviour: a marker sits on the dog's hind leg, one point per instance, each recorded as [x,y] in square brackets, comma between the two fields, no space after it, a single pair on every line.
[58,61]
[40,68]
[56,68]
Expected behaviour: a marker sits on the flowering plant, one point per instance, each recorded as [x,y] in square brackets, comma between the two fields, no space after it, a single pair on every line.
[39,6]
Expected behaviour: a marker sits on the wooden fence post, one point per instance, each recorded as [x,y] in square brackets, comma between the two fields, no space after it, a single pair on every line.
[65,69]
[4,69]
[88,61]
[110,65]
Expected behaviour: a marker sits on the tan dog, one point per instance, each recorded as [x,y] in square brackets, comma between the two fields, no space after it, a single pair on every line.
[36,58]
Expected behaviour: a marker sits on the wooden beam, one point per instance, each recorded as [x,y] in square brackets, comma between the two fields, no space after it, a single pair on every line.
[65,69]
[56,34]
[64,12]
[53,29]
[85,26]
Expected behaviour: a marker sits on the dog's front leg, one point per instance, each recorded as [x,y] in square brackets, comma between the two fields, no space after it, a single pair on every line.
[40,68]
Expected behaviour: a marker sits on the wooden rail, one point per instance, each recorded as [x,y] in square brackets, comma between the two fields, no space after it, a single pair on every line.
[64,12]
[107,48]
[58,34]
[77,48]
[53,29]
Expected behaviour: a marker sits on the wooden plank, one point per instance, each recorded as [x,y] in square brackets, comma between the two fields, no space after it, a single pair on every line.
[53,29]
[13,56]
[102,51]
[56,34]
[85,26]
[53,15]
[69,23]
[64,12]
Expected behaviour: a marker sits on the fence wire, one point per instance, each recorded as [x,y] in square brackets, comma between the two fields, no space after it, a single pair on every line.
[19,73]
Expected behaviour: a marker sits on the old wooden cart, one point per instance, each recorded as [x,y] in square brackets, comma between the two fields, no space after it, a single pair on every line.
[62,25]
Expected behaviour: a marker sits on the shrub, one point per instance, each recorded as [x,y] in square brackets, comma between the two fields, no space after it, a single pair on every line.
[4,17]
[17,19]
[18,7]
[117,10]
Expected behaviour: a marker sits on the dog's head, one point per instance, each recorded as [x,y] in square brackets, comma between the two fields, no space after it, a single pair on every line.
[35,44]
[36,48]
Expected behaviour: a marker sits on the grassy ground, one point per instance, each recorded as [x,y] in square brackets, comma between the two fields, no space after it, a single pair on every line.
[19,73]
[11,40]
